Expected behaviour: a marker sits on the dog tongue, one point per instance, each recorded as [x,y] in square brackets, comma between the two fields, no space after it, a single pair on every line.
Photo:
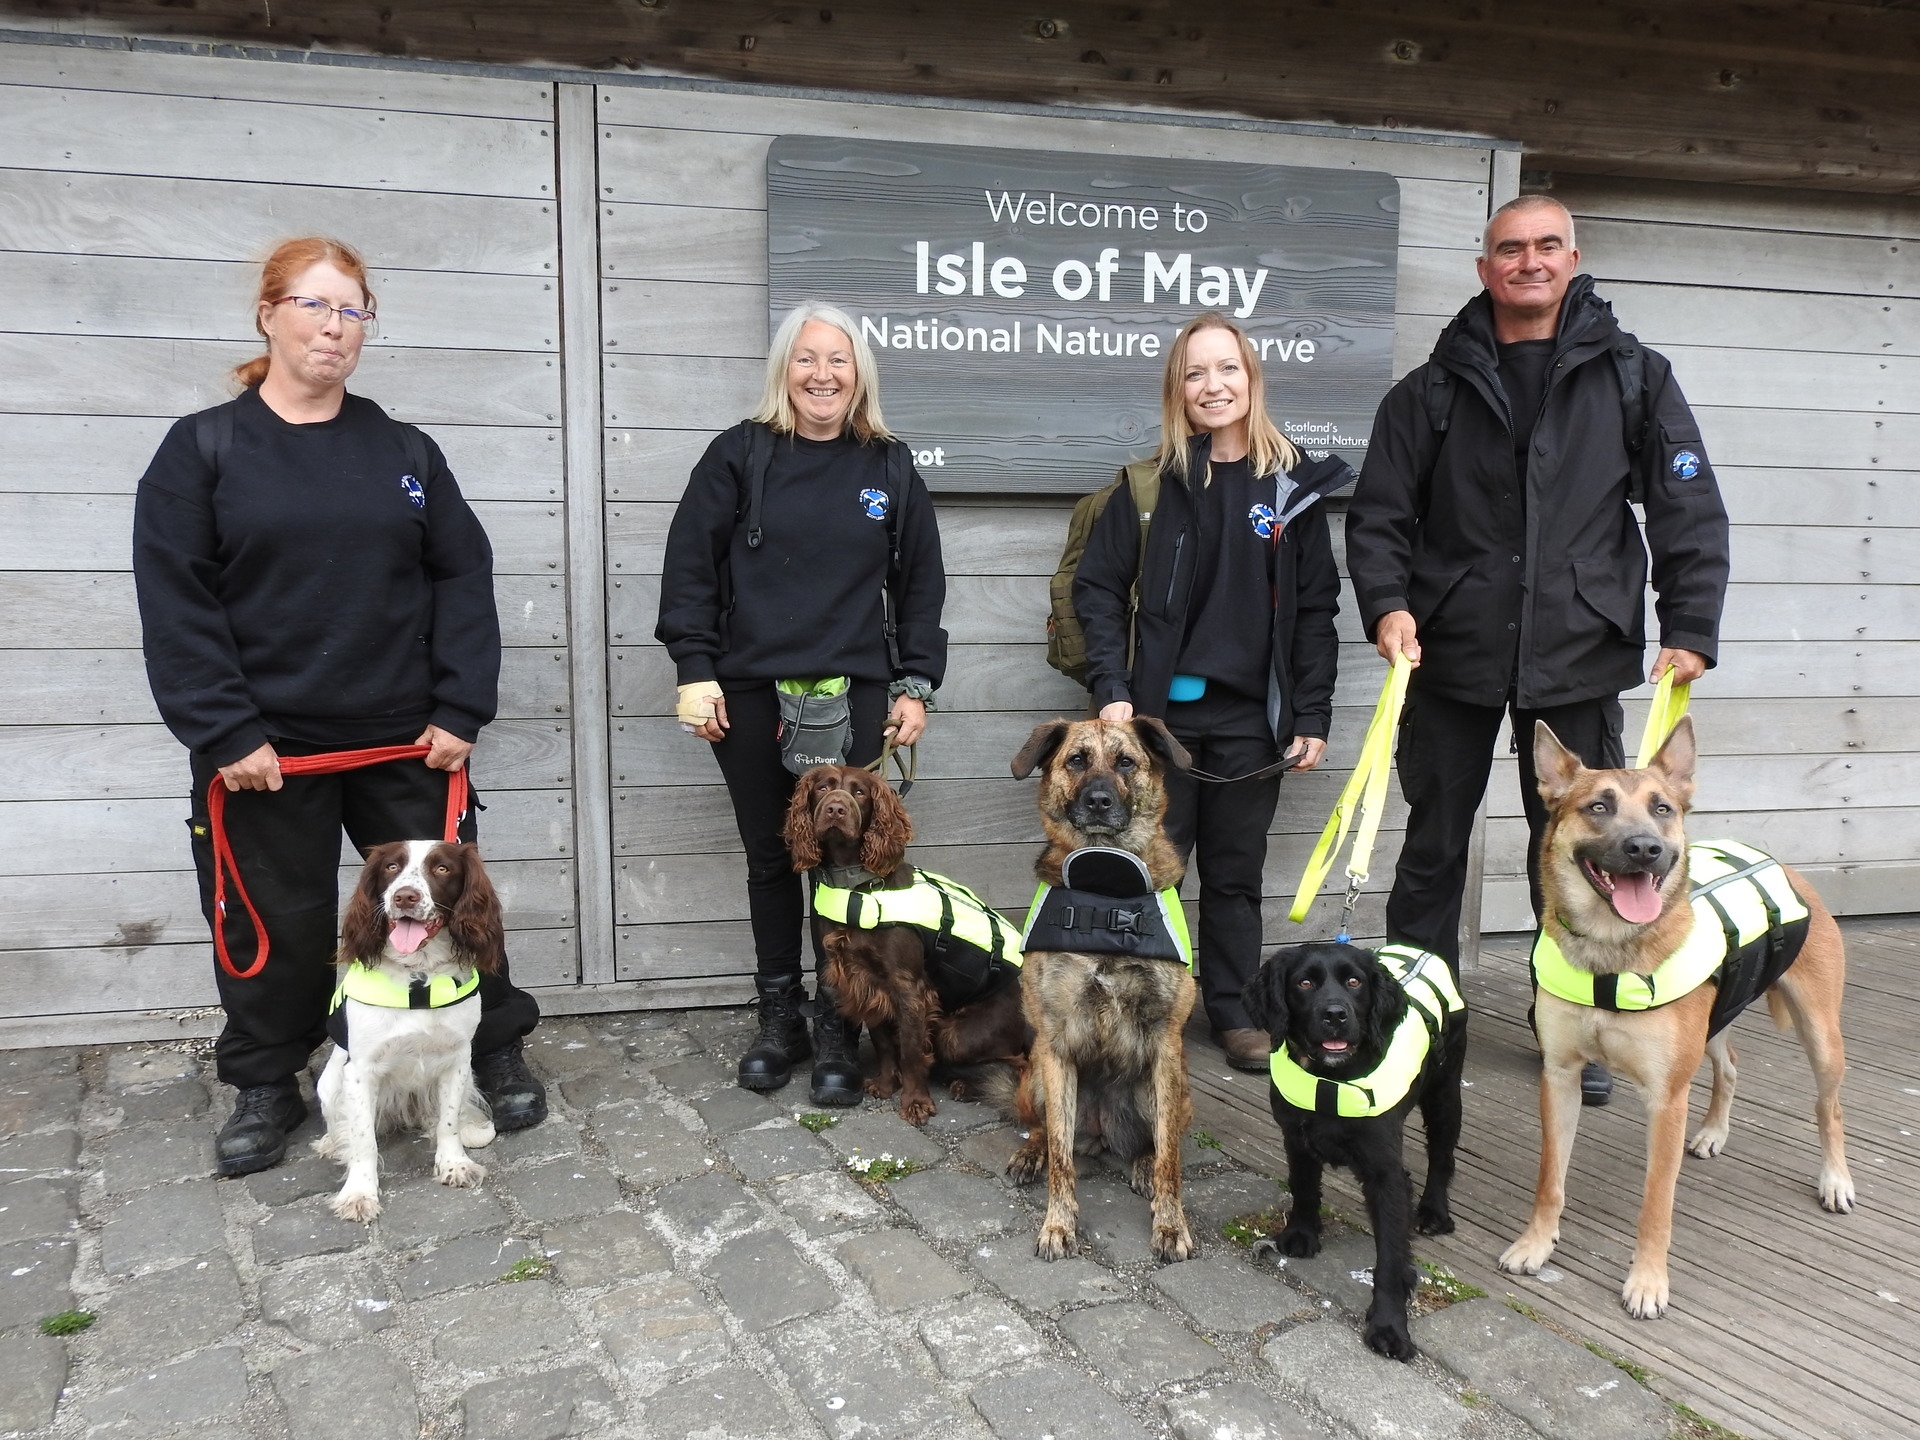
[1635,898]
[408,935]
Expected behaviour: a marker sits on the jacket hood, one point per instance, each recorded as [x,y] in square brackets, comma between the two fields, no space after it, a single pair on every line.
[1468,348]
[1298,488]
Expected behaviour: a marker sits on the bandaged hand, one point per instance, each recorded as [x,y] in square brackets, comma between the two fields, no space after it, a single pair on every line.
[698,703]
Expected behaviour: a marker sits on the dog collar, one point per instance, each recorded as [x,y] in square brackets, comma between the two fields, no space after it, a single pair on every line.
[847,877]
[1741,898]
[1432,997]
[372,986]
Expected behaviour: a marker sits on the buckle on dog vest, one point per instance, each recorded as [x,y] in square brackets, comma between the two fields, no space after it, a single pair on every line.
[375,987]
[1106,905]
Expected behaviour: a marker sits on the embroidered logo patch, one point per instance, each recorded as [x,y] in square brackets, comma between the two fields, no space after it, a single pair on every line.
[416,492]
[874,502]
[1263,520]
[1685,464]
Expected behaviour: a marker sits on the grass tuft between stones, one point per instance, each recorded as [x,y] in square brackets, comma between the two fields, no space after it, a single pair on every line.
[1206,1141]
[1449,1289]
[816,1120]
[67,1322]
[530,1268]
[1638,1372]
[1249,1229]
[1474,1400]
[882,1169]
[1698,1427]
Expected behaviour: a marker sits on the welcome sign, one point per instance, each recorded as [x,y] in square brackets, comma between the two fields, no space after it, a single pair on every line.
[1020,304]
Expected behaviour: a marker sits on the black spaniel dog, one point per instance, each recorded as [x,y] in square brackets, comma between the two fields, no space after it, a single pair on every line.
[1336,1013]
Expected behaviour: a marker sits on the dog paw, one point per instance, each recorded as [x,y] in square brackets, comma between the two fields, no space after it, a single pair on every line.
[881,1089]
[1708,1143]
[461,1173]
[326,1146]
[1027,1165]
[917,1110]
[960,1090]
[476,1134]
[1298,1241]
[360,1205]
[1836,1191]
[1527,1254]
[1389,1338]
[1432,1219]
[1140,1174]
[1173,1243]
[1055,1242]
[1645,1293]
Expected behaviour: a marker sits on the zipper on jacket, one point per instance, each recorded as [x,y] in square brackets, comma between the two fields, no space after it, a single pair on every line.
[1173,575]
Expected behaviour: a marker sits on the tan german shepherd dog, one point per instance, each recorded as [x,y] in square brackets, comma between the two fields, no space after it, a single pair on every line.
[1109,1062]
[1615,846]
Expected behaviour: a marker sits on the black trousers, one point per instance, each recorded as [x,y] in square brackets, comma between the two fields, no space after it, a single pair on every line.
[1445,757]
[1225,828]
[761,788]
[287,845]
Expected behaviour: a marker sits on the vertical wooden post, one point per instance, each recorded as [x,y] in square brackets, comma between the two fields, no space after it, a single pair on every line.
[1505,178]
[586,525]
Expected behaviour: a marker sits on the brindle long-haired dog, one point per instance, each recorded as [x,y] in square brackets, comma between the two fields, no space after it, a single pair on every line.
[1109,1063]
[1613,869]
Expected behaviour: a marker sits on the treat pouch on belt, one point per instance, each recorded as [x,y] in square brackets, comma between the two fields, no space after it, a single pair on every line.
[1106,905]
[1432,999]
[372,986]
[1748,927]
[968,943]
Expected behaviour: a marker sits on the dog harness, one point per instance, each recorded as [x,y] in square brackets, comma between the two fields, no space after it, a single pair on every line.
[1107,906]
[966,940]
[1748,927]
[1432,999]
[371,986]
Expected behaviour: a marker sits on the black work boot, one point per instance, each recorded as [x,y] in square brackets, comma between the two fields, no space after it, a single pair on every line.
[255,1135]
[836,1071]
[517,1099]
[768,1063]
[1596,1085]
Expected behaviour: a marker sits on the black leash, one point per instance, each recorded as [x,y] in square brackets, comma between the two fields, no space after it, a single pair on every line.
[1285,762]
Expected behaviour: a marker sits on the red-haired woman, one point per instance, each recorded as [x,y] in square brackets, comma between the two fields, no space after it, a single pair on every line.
[1233,642]
[310,579]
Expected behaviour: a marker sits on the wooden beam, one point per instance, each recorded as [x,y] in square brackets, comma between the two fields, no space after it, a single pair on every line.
[1793,92]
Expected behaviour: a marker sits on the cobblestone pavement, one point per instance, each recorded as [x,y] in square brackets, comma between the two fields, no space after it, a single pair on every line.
[670,1256]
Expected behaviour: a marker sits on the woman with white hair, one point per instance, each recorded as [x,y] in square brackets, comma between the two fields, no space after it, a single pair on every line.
[800,602]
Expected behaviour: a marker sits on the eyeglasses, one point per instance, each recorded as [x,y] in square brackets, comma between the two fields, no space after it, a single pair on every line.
[319,310]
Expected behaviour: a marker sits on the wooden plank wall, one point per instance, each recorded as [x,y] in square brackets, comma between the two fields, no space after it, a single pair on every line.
[135,191]
[683,245]
[1793,322]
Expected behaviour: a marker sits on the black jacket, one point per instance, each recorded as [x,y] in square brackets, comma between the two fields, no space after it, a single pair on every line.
[314,589]
[1545,583]
[1306,653]
[807,601]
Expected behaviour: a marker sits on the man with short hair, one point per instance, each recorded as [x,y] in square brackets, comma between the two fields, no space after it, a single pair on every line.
[1491,541]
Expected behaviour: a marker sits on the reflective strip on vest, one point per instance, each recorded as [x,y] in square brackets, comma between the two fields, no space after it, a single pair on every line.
[1432,997]
[1166,903]
[932,903]
[1741,897]
[375,987]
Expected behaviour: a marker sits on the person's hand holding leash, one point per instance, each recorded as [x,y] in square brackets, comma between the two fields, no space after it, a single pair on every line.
[1313,749]
[445,752]
[1687,666]
[1120,711]
[910,716]
[1395,635]
[258,771]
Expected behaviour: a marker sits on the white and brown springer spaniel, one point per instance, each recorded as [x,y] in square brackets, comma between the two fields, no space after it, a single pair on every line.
[423,909]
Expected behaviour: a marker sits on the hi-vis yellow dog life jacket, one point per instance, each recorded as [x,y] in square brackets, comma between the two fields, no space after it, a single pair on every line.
[1748,927]
[1432,997]
[969,945]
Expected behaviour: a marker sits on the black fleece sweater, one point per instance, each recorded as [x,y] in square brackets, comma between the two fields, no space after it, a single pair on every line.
[313,590]
[807,601]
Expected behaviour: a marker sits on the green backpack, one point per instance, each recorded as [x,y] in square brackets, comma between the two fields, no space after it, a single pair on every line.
[1066,642]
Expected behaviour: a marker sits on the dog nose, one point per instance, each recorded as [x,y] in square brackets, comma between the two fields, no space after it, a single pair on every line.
[1335,1014]
[1100,801]
[834,808]
[405,898]
[1643,849]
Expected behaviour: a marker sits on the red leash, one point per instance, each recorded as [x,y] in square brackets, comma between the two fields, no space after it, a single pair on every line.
[326,764]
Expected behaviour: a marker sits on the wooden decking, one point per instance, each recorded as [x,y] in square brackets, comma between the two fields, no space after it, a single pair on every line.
[1786,1322]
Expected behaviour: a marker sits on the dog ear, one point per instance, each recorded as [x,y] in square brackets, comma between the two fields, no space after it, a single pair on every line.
[476,925]
[1266,994]
[1386,1004]
[1674,760]
[1039,748]
[883,844]
[802,844]
[1555,767]
[363,930]
[1160,743]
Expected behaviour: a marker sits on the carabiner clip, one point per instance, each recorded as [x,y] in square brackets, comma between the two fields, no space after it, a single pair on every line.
[1346,909]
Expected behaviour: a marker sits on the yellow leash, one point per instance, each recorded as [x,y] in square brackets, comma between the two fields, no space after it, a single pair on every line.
[1366,789]
[1669,704]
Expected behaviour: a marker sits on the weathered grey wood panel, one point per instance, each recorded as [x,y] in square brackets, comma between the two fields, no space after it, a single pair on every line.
[107,132]
[189,219]
[1745,207]
[684,317]
[214,300]
[1665,315]
[1796,262]
[1764,379]
[1814,439]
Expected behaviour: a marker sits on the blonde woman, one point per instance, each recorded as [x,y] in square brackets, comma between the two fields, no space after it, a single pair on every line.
[805,549]
[1233,640]
[311,580]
